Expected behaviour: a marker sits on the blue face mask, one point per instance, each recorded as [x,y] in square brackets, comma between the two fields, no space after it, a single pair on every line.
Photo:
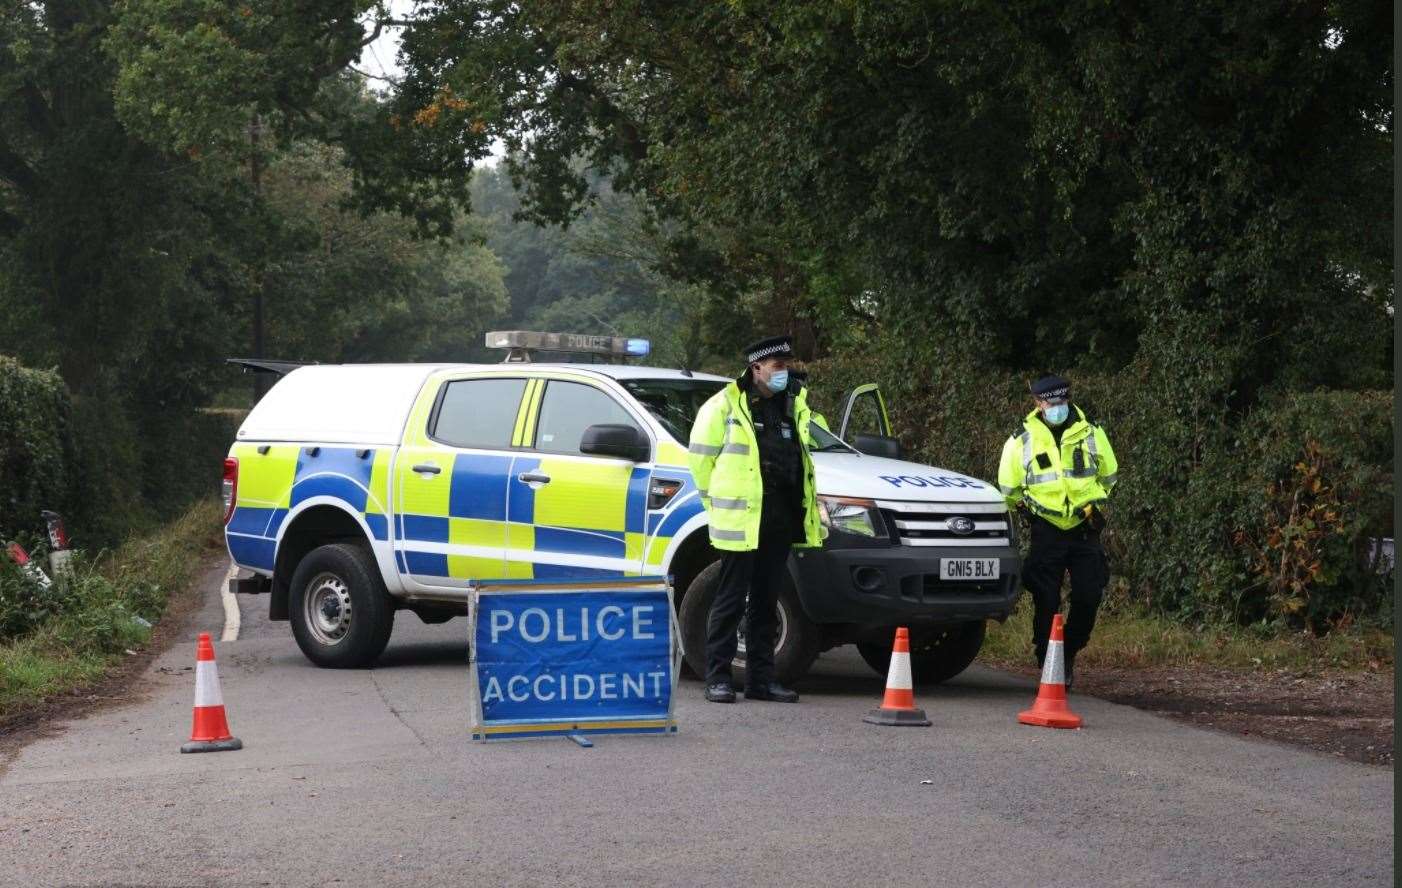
[779,381]
[1057,413]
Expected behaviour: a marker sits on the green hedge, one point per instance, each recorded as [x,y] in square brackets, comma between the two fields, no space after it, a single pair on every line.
[110,466]
[1224,512]
[35,457]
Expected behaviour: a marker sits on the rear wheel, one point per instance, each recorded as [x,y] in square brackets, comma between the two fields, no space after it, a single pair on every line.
[341,614]
[796,638]
[935,655]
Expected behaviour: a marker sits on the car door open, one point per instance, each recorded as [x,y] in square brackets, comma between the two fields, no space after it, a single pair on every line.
[865,424]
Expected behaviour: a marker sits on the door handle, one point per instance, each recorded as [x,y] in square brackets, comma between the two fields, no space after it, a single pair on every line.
[427,469]
[533,478]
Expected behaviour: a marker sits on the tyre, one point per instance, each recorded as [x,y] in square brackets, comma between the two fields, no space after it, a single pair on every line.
[341,614]
[935,655]
[795,645]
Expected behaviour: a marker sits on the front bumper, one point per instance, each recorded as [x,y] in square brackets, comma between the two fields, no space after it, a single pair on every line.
[901,585]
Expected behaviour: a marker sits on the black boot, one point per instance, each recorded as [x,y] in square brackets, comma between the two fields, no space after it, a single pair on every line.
[1070,669]
[772,691]
[720,692]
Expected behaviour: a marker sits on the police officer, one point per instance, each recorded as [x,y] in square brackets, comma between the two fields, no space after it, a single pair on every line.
[1060,467]
[749,455]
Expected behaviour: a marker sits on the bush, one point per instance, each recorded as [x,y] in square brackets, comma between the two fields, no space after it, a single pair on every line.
[34,424]
[53,640]
[1224,512]
[1317,489]
[109,467]
[90,611]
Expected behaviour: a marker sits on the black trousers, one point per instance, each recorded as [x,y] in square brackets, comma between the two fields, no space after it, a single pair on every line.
[757,574]
[1054,553]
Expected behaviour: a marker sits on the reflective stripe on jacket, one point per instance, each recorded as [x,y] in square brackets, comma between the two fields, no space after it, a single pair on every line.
[1057,482]
[724,458]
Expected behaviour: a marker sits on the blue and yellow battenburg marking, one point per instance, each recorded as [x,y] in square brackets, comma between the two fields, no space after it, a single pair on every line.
[590,522]
[276,479]
[475,520]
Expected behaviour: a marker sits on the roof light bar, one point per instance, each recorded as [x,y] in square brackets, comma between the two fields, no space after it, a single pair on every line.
[520,344]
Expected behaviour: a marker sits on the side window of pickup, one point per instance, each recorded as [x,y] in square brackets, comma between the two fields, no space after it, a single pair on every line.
[477,413]
[568,409]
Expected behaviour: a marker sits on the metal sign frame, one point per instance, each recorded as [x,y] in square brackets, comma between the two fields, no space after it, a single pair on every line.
[573,727]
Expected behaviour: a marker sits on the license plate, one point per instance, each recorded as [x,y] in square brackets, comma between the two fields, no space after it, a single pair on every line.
[968,568]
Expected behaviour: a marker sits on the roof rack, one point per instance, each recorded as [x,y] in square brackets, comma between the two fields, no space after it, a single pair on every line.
[520,344]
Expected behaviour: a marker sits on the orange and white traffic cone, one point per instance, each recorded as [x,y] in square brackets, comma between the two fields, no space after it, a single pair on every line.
[1049,710]
[898,706]
[210,730]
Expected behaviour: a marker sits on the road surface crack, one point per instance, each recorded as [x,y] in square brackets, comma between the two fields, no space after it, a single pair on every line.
[395,712]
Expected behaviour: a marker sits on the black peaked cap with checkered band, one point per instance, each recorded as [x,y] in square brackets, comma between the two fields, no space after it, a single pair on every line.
[1053,389]
[773,347]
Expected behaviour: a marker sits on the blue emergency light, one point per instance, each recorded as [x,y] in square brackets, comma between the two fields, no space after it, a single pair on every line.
[638,348]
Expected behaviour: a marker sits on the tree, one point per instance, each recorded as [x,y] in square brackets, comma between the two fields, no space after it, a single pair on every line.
[1047,179]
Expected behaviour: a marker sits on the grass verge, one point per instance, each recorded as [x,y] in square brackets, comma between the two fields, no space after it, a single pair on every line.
[1130,638]
[72,634]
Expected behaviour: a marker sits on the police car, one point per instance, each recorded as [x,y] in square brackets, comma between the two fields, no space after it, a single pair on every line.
[354,492]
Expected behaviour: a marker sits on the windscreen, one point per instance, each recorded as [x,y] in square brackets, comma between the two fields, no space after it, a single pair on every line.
[675,403]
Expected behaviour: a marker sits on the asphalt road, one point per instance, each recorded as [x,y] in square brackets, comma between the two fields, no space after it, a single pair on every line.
[368,778]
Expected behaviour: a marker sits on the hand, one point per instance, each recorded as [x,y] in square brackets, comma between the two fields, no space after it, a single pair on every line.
[1095,517]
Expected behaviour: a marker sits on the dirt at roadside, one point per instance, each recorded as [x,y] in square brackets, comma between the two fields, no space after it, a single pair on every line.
[1345,714]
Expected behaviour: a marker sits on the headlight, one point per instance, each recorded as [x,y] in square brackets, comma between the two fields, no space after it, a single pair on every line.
[856,516]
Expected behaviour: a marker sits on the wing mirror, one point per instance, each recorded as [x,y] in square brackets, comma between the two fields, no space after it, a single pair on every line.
[877,445]
[616,440]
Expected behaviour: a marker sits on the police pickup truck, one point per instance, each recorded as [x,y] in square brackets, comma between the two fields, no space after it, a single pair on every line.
[356,491]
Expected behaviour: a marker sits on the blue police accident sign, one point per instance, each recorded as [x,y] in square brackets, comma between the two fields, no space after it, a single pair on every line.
[552,660]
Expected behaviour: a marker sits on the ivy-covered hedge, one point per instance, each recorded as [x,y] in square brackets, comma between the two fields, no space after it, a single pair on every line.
[1225,511]
[110,467]
[35,417]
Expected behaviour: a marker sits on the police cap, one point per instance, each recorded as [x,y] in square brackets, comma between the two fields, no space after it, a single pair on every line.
[773,347]
[1052,389]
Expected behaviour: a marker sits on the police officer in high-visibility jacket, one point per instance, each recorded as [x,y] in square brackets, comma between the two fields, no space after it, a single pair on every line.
[1060,467]
[749,455]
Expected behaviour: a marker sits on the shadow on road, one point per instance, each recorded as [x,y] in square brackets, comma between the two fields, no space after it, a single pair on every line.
[425,653]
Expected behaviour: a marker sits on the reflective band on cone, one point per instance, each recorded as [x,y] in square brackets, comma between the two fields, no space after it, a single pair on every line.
[1049,710]
[209,731]
[898,706]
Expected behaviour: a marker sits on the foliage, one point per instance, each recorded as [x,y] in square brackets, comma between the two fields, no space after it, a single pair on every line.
[602,274]
[194,75]
[1310,553]
[163,165]
[1129,637]
[34,423]
[1184,205]
[106,471]
[1200,502]
[52,641]
[1054,180]
[363,287]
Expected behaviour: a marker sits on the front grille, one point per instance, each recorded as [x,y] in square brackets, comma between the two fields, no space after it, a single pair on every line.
[931,586]
[929,524]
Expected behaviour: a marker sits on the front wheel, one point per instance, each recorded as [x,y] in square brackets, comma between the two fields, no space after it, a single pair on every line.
[796,638]
[935,655]
[341,614]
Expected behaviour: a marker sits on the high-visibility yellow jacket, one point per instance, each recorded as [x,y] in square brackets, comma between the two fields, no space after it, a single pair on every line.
[724,458]
[1058,483]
